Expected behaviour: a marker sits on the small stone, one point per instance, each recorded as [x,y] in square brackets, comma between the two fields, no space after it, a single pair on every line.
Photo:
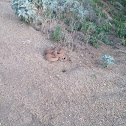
[26,41]
[82,55]
[63,70]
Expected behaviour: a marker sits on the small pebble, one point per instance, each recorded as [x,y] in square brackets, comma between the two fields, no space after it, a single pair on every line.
[63,70]
[82,55]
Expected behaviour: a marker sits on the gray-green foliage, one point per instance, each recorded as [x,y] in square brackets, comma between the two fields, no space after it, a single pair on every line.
[107,60]
[26,10]
[38,3]
[63,6]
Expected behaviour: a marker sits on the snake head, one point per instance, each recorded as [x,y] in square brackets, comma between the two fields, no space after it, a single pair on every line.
[63,58]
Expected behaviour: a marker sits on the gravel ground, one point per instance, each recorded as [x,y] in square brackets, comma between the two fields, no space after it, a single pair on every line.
[35,92]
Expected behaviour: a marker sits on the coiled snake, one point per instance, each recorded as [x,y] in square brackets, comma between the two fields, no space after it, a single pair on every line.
[55,54]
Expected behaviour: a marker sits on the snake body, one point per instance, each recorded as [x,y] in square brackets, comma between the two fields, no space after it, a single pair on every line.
[54,54]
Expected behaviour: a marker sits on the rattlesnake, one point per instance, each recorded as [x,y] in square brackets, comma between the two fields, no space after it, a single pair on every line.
[54,54]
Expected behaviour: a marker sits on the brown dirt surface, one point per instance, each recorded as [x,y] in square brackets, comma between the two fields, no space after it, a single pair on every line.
[35,92]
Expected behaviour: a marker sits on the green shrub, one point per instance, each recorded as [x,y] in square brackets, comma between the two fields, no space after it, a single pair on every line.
[95,32]
[67,21]
[56,35]
[94,41]
[86,16]
[123,42]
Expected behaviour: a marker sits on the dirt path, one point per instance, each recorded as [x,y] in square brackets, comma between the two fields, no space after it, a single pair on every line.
[34,92]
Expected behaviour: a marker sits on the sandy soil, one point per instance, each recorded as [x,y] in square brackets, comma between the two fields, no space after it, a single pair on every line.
[35,92]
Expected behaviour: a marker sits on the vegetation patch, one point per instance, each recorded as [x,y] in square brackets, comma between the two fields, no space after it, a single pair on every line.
[107,60]
[25,10]
[94,18]
[56,35]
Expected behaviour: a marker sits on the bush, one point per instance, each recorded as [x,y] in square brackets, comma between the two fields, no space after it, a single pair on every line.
[56,35]
[107,60]
[25,10]
[78,15]
[63,6]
